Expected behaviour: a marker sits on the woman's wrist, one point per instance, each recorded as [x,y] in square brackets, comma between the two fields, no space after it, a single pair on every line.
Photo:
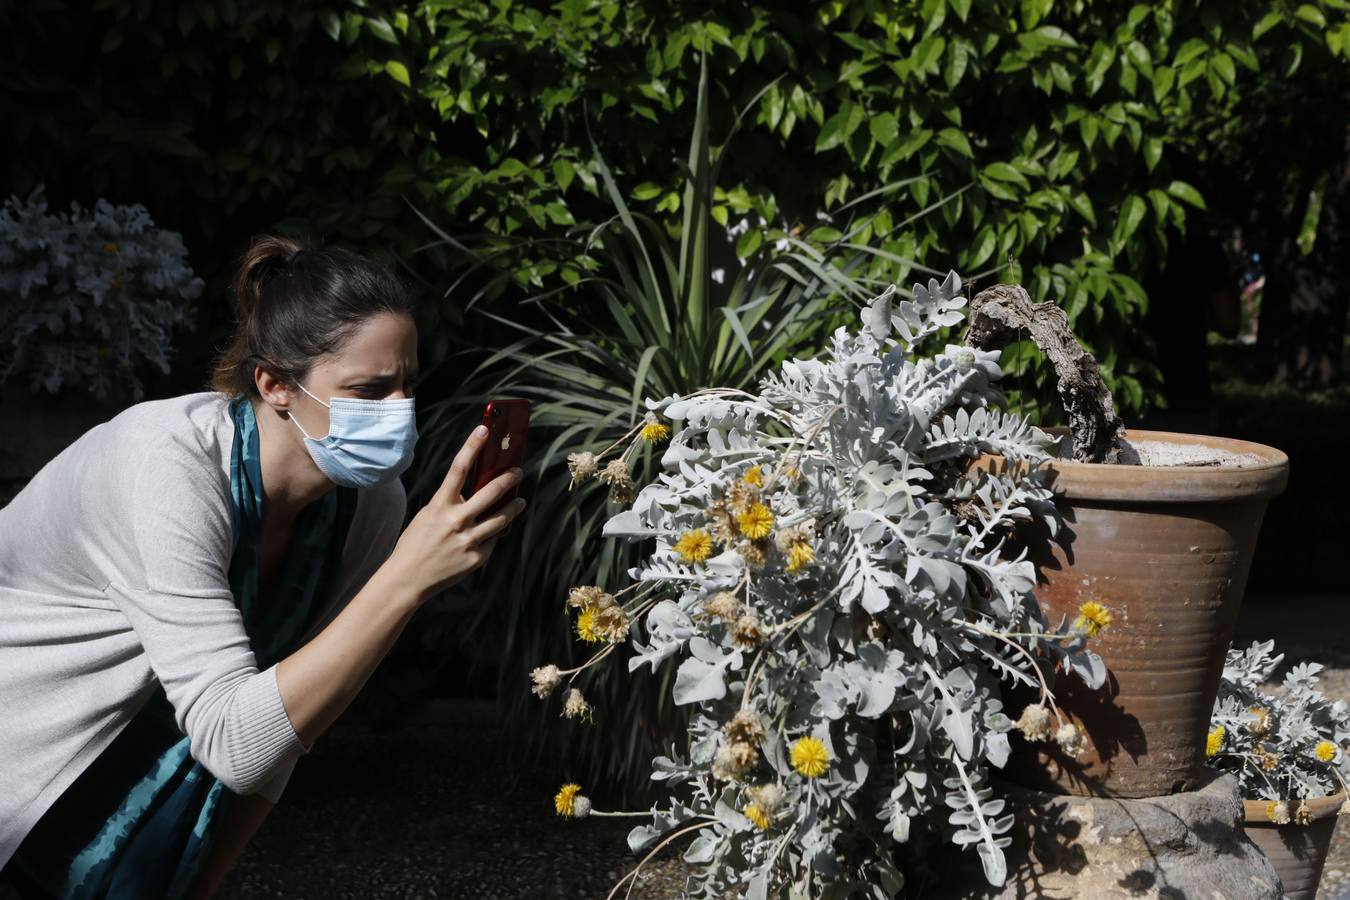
[391,582]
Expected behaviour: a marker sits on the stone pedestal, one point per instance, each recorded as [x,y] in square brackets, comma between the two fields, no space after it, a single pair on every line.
[1189,845]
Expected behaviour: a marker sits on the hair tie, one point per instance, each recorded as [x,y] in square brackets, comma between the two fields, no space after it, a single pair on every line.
[290,262]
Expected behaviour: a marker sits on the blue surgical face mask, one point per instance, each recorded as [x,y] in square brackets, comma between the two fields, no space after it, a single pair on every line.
[369,442]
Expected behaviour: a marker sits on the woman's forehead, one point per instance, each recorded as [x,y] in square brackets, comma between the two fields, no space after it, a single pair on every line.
[383,345]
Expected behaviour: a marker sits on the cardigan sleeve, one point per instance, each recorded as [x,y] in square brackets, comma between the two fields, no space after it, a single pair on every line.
[178,600]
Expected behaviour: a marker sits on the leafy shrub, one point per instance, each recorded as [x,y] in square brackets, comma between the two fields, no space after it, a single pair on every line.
[649,315]
[833,575]
[89,298]
[1067,129]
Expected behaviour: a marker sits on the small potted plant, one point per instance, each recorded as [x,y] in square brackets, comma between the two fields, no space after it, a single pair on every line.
[1287,748]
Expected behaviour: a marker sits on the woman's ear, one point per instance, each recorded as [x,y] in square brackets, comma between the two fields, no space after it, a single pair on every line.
[273,391]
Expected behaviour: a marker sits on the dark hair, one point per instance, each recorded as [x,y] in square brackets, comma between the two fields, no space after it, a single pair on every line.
[297,304]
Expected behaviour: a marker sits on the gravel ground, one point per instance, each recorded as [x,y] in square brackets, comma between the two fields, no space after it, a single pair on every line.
[425,810]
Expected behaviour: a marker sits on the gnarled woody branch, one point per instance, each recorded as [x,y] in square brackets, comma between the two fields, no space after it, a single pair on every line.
[1001,312]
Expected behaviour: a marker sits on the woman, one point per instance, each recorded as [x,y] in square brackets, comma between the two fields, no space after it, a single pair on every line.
[191,593]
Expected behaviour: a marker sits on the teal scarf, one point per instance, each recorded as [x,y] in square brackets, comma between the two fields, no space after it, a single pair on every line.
[139,822]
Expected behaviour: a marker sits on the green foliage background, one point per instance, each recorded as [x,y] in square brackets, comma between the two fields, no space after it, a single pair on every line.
[1069,140]
[1071,125]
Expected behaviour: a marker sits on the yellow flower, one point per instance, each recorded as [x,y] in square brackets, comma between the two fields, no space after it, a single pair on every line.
[694,546]
[756,522]
[565,801]
[586,625]
[800,555]
[809,757]
[1277,811]
[655,432]
[755,476]
[1214,743]
[1325,751]
[1092,619]
[757,816]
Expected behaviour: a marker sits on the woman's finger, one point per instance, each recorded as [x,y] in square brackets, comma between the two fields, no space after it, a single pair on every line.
[485,497]
[495,524]
[451,489]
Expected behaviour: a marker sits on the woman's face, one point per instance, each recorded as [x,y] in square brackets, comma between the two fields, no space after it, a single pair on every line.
[378,362]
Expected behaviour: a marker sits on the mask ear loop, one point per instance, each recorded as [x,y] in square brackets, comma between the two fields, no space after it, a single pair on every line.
[297,421]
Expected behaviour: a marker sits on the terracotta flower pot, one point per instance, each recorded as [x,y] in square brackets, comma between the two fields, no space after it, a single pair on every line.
[1166,550]
[1297,852]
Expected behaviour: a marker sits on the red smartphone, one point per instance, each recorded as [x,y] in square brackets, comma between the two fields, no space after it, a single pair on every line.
[507,422]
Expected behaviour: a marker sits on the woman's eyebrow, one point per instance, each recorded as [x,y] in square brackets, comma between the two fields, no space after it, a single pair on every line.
[378,377]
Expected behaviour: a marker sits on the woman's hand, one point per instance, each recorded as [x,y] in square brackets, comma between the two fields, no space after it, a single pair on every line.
[445,541]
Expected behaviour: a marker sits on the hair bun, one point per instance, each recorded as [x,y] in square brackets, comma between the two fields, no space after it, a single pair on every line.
[267,256]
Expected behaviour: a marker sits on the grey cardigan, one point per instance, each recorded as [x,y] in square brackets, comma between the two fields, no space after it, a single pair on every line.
[114,574]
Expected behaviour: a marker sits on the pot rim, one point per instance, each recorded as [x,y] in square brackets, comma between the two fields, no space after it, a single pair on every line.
[1254,811]
[1175,484]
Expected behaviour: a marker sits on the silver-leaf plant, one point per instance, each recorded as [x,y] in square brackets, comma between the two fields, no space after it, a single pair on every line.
[833,569]
[91,298]
[1286,745]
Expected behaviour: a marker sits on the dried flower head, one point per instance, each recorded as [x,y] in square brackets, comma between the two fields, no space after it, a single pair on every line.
[720,520]
[611,623]
[582,466]
[723,605]
[616,472]
[755,553]
[770,797]
[964,360]
[587,595]
[1034,723]
[1325,751]
[756,522]
[1093,619]
[1070,739]
[545,680]
[745,727]
[564,802]
[793,534]
[1268,761]
[1261,723]
[741,496]
[694,546]
[732,760]
[1277,811]
[1303,814]
[1214,743]
[620,480]
[809,757]
[576,707]
[748,632]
